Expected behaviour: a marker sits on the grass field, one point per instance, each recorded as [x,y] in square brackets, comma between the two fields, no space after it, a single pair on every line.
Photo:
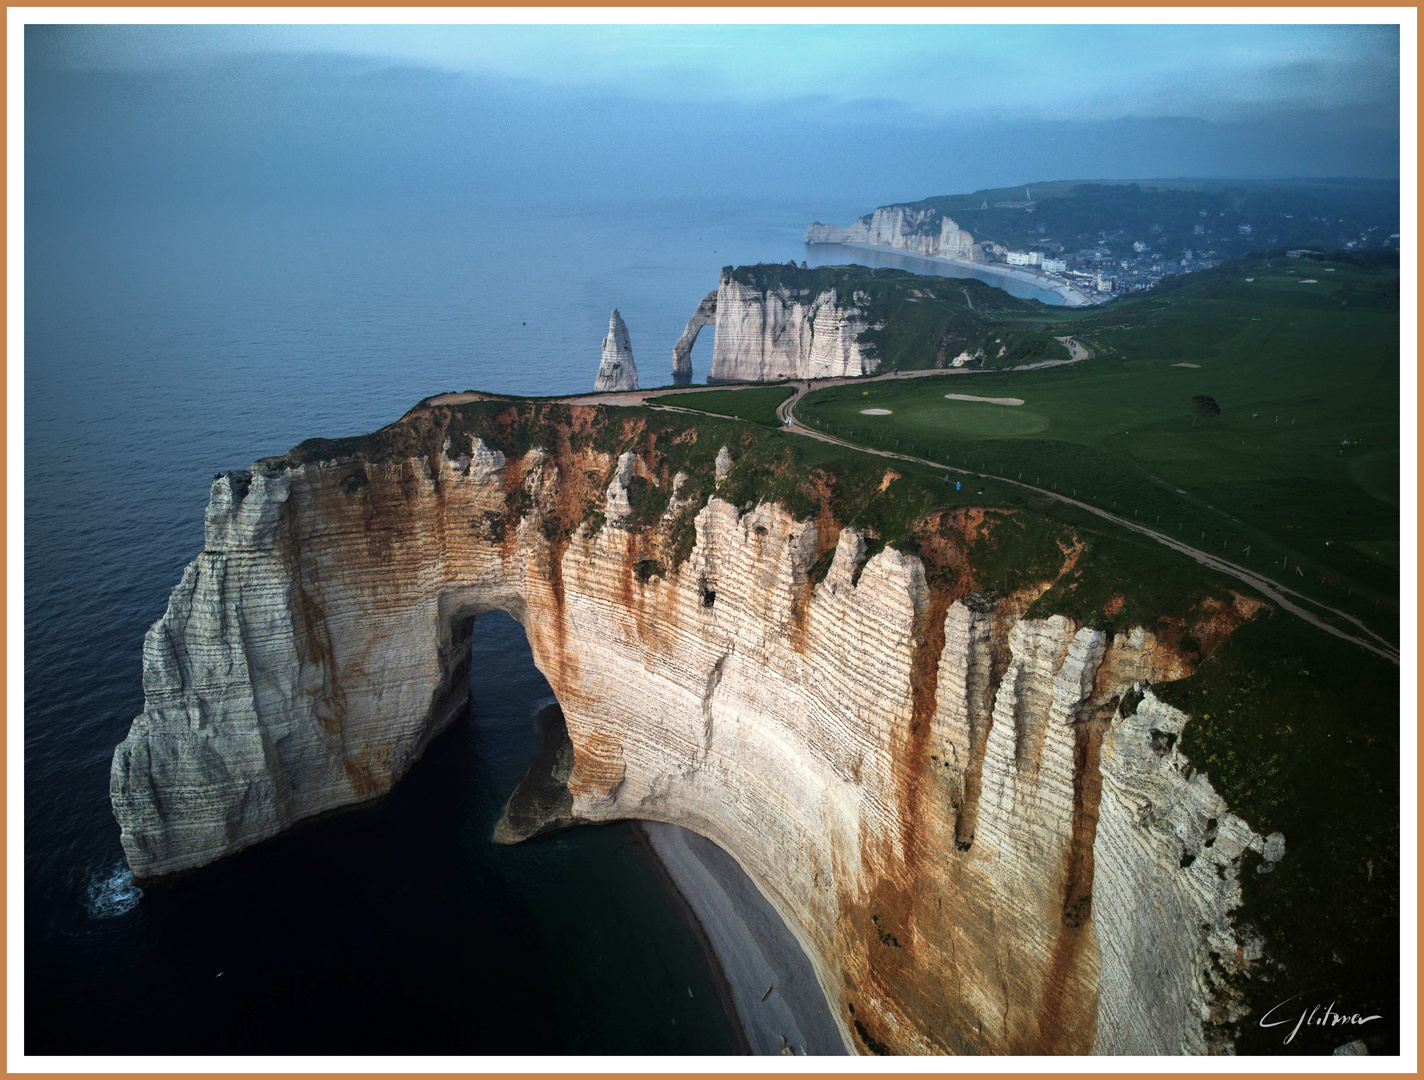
[1299,472]
[755,403]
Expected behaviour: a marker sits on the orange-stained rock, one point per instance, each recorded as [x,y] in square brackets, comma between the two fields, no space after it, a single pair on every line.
[942,798]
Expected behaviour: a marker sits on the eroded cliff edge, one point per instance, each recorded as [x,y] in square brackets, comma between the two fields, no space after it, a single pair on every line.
[778,321]
[767,329]
[973,815]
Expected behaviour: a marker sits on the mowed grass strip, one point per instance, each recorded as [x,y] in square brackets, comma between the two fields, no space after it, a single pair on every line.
[1296,476]
[967,419]
[756,403]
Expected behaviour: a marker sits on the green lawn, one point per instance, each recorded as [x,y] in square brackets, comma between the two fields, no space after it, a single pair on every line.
[755,403]
[1301,466]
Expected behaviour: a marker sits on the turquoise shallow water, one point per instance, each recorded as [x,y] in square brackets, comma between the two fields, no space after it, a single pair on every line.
[165,343]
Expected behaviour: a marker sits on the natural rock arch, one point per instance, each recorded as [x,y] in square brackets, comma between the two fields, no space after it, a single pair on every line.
[705,315]
[823,723]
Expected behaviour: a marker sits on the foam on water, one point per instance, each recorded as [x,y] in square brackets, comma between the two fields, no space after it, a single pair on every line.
[112,893]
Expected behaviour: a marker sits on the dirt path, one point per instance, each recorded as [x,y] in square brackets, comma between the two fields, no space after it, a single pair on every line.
[1076,350]
[629,398]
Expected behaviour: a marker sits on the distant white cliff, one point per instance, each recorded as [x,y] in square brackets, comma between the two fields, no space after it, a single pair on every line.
[918,230]
[616,371]
[773,331]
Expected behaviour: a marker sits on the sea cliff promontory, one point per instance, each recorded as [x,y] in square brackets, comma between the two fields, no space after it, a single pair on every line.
[961,794]
[916,229]
[770,327]
[775,321]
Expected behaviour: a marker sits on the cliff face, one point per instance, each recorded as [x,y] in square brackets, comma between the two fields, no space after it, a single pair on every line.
[980,850]
[616,370]
[918,230]
[773,332]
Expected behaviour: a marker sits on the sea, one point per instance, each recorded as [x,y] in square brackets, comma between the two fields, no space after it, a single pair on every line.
[168,340]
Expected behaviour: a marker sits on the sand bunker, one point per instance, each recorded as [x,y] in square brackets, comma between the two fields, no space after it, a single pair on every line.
[1309,281]
[875,412]
[1185,364]
[990,400]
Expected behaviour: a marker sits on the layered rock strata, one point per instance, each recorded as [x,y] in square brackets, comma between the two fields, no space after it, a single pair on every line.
[918,230]
[776,332]
[616,370]
[978,846]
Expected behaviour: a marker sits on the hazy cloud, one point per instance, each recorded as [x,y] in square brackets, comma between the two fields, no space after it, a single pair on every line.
[1049,72]
[157,112]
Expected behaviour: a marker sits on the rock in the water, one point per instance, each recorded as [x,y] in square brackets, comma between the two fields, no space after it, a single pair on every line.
[617,371]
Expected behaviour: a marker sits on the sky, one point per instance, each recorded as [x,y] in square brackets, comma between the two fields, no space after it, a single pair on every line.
[903,110]
[1052,72]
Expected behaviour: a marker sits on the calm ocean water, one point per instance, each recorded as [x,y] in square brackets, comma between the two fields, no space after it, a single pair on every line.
[166,343]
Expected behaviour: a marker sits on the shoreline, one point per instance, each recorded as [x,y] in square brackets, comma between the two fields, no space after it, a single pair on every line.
[709,951]
[1072,295]
[751,947]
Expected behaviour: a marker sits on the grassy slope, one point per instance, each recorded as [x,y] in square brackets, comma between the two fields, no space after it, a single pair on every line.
[757,404]
[1300,734]
[1119,430]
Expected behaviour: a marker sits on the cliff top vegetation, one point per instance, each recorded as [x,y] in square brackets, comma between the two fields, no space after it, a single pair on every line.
[1297,470]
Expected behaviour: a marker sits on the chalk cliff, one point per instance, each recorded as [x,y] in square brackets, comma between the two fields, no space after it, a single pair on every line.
[918,230]
[768,330]
[616,370]
[980,842]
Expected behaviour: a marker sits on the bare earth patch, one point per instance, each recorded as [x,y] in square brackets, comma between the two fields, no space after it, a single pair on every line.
[990,400]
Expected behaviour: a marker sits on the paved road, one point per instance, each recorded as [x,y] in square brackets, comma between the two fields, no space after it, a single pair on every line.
[1269,587]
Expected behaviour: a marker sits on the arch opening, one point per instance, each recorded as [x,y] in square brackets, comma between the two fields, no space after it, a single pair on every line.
[705,315]
[746,943]
[595,896]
